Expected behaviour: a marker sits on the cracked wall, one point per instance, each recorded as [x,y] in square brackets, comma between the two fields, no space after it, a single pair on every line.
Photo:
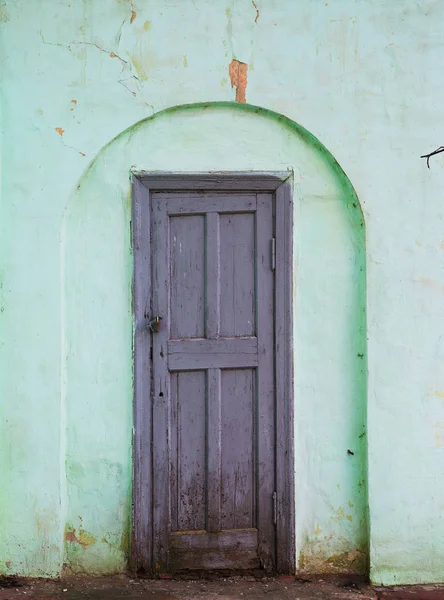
[331,499]
[364,78]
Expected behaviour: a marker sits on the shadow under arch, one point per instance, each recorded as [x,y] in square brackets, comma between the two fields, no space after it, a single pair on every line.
[329,328]
[283,120]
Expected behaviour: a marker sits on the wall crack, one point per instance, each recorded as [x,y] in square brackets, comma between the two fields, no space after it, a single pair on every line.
[126,67]
[258,14]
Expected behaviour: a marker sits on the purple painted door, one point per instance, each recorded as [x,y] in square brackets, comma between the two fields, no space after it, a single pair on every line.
[213,380]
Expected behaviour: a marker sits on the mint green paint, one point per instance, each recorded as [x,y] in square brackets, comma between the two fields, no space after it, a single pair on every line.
[364,78]
[96,315]
[330,352]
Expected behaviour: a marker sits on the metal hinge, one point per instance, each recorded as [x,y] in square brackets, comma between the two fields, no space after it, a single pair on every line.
[273,253]
[275,508]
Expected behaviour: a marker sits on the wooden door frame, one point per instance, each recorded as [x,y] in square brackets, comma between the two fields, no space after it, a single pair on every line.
[281,185]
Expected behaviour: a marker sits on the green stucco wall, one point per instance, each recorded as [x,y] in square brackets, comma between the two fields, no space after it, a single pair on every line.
[362,77]
[330,332]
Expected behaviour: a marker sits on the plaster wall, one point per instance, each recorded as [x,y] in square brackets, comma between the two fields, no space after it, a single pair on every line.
[364,78]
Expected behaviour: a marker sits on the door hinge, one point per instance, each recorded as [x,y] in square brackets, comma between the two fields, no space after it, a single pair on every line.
[275,508]
[273,253]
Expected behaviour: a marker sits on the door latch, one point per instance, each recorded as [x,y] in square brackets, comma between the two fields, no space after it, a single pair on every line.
[154,324]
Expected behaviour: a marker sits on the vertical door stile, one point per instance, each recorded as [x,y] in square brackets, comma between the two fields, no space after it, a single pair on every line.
[284,380]
[212,276]
[213,387]
[174,451]
[160,391]
[213,392]
[214,450]
[265,427]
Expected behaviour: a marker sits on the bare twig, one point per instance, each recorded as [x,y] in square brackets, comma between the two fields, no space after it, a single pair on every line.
[428,156]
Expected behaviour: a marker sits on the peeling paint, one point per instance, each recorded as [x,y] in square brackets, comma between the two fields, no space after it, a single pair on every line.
[238,76]
[84,539]
[340,514]
[4,17]
[439,434]
[436,393]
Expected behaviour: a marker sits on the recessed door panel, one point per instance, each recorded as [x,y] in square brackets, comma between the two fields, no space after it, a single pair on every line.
[213,381]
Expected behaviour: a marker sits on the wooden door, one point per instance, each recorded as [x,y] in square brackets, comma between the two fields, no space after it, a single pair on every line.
[213,392]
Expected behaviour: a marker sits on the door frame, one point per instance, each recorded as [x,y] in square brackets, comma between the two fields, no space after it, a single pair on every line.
[281,184]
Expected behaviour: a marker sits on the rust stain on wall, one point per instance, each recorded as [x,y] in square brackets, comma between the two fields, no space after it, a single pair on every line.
[84,538]
[60,131]
[133,15]
[70,536]
[238,76]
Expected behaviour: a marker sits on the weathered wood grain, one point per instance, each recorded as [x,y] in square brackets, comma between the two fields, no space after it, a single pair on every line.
[222,353]
[216,438]
[223,550]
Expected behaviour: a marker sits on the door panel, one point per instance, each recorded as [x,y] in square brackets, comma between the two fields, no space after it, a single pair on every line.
[213,389]
[237,274]
[188,479]
[202,550]
[238,456]
[187,289]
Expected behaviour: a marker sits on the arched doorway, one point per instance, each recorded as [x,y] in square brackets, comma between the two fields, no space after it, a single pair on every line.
[329,327]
